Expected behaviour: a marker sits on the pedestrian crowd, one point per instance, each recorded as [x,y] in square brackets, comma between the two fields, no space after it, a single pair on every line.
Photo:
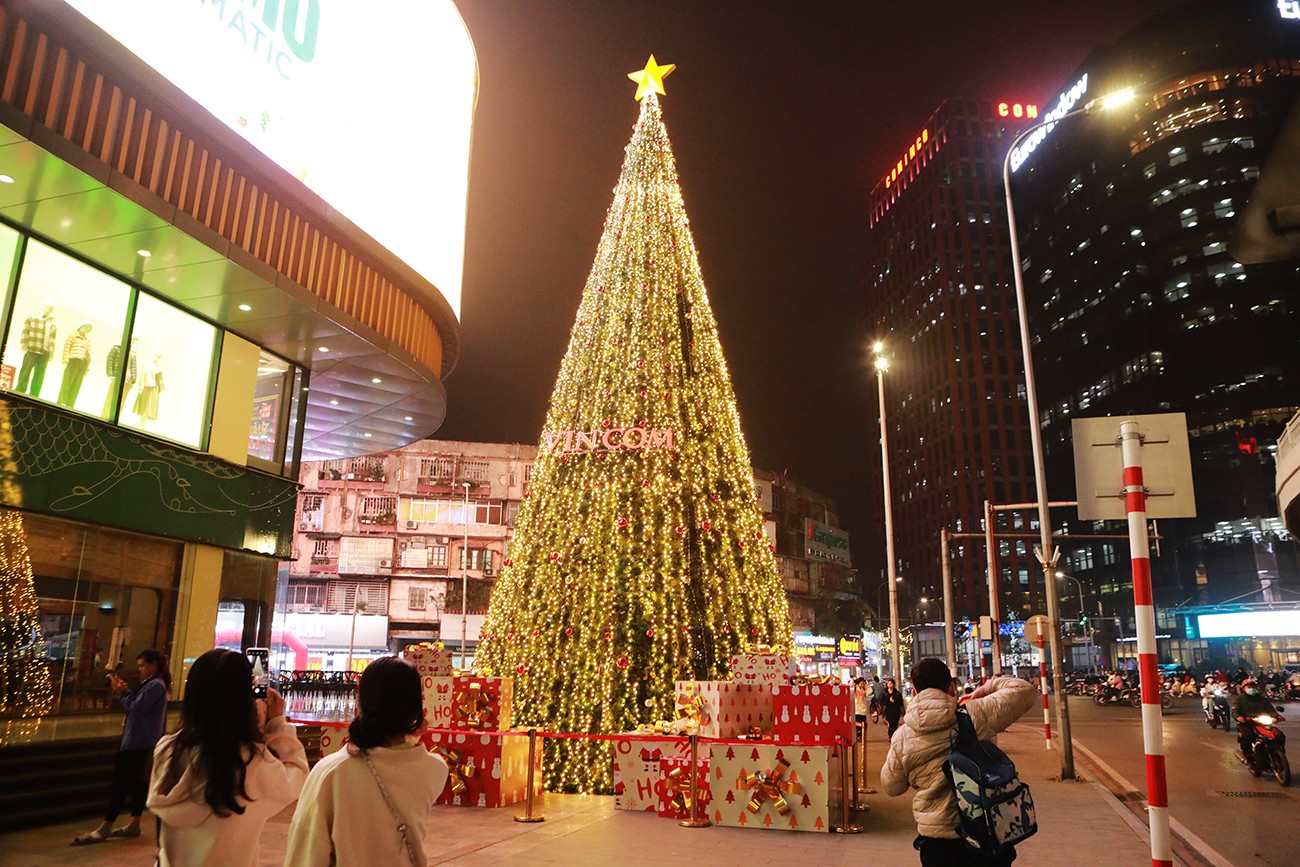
[234,762]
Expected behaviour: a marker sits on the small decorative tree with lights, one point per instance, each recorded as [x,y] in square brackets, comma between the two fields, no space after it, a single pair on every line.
[639,556]
[24,677]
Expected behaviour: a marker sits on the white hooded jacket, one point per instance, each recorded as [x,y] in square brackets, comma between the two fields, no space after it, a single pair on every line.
[924,740]
[192,834]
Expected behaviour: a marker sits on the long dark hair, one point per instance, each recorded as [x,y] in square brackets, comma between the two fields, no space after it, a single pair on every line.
[158,658]
[219,726]
[390,703]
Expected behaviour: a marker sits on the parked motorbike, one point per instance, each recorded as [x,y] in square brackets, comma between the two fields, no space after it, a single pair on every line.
[1219,712]
[1268,751]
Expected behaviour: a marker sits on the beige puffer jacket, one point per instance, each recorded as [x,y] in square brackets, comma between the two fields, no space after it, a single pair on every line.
[923,741]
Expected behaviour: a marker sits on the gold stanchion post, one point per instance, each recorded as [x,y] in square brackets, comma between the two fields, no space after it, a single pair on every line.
[845,827]
[866,773]
[528,793]
[697,818]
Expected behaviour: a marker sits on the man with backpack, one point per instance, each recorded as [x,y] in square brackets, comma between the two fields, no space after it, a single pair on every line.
[919,748]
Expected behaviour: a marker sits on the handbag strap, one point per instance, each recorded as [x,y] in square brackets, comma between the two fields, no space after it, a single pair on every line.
[401,826]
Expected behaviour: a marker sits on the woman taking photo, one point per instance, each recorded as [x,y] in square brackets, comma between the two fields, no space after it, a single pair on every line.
[233,764]
[146,717]
[369,803]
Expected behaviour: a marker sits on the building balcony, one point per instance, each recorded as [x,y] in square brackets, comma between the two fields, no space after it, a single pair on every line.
[1288,475]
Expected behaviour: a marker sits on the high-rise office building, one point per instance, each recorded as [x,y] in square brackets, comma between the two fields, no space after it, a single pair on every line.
[940,297]
[1145,241]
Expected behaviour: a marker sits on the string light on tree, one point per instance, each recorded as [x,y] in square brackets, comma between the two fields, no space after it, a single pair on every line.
[639,556]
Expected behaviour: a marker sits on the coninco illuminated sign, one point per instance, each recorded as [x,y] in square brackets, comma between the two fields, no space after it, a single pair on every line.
[1289,9]
[1017,109]
[1064,106]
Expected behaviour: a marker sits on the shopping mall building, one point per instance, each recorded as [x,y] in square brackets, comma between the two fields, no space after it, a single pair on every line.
[220,260]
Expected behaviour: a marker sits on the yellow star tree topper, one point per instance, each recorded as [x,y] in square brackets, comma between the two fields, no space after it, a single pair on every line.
[651,79]
[639,556]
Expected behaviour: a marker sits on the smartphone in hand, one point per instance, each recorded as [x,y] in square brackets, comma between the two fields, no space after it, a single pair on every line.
[259,659]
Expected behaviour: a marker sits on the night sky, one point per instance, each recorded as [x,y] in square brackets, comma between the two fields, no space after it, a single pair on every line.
[783,116]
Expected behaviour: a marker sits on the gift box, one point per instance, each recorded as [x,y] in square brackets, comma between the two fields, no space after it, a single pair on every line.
[486,769]
[431,660]
[636,769]
[812,714]
[723,708]
[673,788]
[332,739]
[773,787]
[763,667]
[483,703]
[438,705]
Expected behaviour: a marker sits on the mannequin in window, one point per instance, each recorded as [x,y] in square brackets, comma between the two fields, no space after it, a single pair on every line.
[113,367]
[39,334]
[151,385]
[76,358]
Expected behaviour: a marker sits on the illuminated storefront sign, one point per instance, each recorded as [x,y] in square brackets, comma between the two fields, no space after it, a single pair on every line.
[1248,624]
[1064,106]
[606,439]
[370,105]
[1289,9]
[1017,109]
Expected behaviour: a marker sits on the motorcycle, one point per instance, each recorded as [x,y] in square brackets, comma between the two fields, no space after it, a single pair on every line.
[1219,712]
[1268,750]
[1135,698]
[1109,695]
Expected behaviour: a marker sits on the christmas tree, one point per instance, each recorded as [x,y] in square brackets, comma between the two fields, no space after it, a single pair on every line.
[639,556]
[25,679]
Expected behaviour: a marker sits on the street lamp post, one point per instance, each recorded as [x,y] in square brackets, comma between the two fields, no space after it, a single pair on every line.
[882,364]
[1092,657]
[1035,433]
[464,581]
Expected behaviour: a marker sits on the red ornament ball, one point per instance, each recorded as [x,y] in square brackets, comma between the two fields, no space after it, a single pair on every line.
[568,630]
[704,525]
[622,662]
[521,668]
[679,529]
[622,523]
[650,633]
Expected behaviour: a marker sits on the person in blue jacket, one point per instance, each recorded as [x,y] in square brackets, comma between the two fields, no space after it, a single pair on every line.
[146,717]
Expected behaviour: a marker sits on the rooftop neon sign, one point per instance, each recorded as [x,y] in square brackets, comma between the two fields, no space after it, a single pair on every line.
[1064,106]
[913,149]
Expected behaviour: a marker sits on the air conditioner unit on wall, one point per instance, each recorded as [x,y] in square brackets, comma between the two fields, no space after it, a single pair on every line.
[412,525]
[385,564]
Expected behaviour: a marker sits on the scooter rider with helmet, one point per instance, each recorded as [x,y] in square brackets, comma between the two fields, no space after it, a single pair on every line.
[1247,705]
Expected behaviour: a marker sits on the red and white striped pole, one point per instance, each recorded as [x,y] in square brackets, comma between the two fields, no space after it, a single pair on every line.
[1153,736]
[1042,680]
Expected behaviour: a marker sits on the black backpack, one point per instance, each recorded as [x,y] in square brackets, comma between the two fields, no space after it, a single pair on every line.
[996,808]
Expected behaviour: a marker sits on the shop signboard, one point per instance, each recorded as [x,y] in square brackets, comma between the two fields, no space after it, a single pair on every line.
[824,542]
[1250,624]
[67,466]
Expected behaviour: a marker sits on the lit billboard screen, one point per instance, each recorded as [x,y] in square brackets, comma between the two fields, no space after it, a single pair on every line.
[1249,623]
[370,105]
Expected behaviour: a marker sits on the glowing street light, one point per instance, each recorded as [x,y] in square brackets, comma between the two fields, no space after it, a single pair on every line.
[881,365]
[1100,103]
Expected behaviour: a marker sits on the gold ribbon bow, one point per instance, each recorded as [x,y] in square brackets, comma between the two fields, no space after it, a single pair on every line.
[662,727]
[457,770]
[690,707]
[813,680]
[678,785]
[770,786]
[757,649]
[473,706]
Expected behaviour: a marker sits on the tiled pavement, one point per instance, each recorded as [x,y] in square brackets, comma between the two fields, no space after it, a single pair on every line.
[1079,823]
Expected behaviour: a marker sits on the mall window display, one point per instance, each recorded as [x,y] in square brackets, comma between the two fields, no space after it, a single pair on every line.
[265,440]
[174,353]
[66,315]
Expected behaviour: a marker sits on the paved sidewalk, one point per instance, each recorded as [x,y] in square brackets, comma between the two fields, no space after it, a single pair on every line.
[1079,823]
